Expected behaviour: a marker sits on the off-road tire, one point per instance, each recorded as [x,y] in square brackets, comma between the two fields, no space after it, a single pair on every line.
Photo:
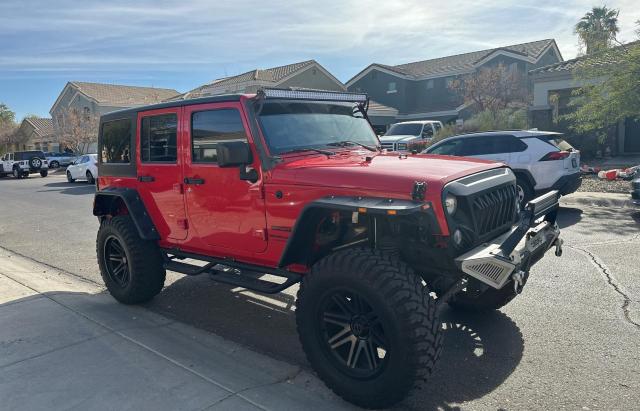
[145,262]
[90,178]
[491,299]
[44,173]
[400,300]
[17,173]
[527,191]
[69,178]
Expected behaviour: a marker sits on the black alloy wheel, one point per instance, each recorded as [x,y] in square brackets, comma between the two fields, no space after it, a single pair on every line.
[352,333]
[116,262]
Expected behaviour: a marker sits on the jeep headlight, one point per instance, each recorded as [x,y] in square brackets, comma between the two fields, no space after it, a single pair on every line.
[450,204]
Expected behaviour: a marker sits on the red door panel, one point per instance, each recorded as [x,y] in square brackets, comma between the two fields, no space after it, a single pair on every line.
[160,170]
[224,211]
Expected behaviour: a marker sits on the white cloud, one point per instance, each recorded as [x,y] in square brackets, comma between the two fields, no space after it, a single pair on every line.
[230,37]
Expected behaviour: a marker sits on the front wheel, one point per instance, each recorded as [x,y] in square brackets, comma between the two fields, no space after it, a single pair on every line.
[132,268]
[17,173]
[368,326]
[69,178]
[54,164]
[44,173]
[90,178]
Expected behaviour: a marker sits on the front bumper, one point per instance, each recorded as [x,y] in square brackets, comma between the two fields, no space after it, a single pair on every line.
[514,252]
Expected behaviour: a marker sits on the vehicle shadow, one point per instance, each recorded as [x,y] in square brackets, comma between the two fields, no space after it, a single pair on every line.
[479,352]
[568,216]
[77,188]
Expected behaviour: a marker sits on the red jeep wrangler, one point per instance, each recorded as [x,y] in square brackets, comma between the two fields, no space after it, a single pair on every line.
[293,185]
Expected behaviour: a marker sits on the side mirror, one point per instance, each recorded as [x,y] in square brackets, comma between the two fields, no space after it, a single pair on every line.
[234,154]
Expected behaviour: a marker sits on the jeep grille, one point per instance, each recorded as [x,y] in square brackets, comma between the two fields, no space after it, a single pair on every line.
[494,209]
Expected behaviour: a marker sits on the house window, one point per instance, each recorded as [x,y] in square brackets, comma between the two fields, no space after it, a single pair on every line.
[430,84]
[392,87]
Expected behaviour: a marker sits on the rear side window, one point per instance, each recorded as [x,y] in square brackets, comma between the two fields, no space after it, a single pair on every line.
[557,141]
[485,145]
[208,128]
[116,142]
[158,139]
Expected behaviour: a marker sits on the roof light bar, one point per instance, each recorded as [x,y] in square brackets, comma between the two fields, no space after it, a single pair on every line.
[276,93]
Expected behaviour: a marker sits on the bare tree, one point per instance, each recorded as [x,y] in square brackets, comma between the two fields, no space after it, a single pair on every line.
[76,130]
[492,89]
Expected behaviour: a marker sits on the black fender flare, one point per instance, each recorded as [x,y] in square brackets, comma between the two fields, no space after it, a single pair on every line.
[526,175]
[105,201]
[299,243]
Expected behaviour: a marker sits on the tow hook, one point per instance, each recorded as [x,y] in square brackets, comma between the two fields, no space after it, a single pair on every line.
[558,243]
[518,281]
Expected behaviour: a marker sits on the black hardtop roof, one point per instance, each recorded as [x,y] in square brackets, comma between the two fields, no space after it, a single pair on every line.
[114,115]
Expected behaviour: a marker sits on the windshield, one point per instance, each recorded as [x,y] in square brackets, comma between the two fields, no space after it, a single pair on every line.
[404,130]
[289,125]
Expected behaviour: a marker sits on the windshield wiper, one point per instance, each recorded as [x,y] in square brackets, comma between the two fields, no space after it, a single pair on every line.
[352,143]
[303,149]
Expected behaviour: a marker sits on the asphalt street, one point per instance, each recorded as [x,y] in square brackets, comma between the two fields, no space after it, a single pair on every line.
[571,340]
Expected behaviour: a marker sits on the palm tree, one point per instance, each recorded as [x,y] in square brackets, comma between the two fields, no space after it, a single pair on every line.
[598,28]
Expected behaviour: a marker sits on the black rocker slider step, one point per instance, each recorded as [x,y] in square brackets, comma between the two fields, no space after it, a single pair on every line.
[233,276]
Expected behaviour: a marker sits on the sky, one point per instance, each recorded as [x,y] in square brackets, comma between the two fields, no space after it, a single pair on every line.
[186,43]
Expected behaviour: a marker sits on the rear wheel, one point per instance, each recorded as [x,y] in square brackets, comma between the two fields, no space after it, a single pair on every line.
[132,268]
[44,173]
[368,326]
[69,178]
[17,173]
[54,164]
[90,178]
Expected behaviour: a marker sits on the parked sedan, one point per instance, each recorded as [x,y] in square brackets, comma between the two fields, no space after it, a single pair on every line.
[84,168]
[60,159]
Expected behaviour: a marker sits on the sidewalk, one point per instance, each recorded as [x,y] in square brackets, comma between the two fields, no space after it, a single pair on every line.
[589,199]
[65,343]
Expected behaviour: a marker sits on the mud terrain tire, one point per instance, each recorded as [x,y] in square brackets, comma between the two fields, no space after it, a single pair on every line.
[401,314]
[139,274]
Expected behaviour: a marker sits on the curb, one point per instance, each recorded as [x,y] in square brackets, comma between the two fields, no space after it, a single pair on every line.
[601,200]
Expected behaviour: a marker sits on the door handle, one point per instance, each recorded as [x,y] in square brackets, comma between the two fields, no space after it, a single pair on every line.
[146,179]
[193,180]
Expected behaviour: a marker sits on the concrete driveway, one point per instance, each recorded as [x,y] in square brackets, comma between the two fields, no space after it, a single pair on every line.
[569,341]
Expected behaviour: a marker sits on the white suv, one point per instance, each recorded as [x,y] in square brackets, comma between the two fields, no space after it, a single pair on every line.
[410,135]
[541,160]
[22,163]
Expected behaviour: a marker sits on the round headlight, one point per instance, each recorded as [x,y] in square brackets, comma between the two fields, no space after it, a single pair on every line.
[450,203]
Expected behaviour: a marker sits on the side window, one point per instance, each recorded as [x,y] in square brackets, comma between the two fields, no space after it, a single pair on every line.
[208,128]
[427,131]
[158,139]
[450,148]
[484,145]
[85,159]
[116,141]
[517,145]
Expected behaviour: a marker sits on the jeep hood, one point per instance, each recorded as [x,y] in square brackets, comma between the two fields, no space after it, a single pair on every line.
[384,173]
[397,139]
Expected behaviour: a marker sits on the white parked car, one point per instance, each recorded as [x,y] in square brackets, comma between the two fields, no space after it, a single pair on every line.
[401,136]
[84,167]
[541,160]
